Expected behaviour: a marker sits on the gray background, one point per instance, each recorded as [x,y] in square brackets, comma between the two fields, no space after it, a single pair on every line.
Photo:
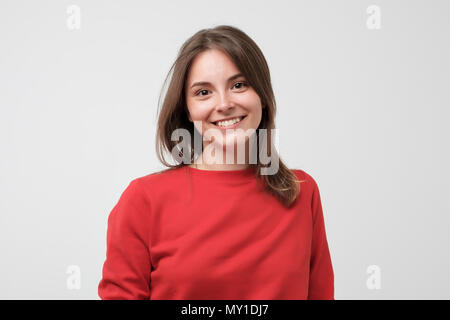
[362,111]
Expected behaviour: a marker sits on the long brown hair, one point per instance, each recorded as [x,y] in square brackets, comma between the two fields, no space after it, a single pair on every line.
[249,59]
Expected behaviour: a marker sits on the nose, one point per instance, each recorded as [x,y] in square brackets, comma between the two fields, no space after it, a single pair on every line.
[224,104]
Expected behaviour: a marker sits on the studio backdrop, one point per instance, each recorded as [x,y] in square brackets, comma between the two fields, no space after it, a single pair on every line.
[363,95]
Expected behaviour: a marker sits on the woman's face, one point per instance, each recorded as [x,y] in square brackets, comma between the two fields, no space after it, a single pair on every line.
[215,91]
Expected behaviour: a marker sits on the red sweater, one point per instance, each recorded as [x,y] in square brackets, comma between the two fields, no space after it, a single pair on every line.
[192,234]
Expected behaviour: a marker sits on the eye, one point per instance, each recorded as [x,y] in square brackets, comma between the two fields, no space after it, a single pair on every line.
[198,93]
[243,84]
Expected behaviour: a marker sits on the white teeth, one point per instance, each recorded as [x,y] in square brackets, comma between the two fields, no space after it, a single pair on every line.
[228,122]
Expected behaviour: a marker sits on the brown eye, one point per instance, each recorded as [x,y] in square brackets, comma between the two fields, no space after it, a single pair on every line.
[243,84]
[198,93]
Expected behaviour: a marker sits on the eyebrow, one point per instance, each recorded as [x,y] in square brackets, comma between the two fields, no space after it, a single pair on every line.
[204,83]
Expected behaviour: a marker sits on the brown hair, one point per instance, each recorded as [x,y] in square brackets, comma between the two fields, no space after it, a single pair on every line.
[249,59]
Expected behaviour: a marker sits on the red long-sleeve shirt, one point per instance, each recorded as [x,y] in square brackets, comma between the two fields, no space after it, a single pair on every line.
[188,233]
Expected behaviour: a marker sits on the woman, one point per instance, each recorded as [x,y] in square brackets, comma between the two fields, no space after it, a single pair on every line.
[210,227]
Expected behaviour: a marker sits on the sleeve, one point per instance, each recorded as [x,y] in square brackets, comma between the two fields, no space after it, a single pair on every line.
[321,275]
[126,270]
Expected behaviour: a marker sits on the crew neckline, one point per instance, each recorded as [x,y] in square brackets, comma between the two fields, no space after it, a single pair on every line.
[240,174]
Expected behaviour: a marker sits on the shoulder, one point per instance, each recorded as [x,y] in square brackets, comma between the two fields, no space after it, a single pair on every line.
[144,189]
[305,178]
[160,178]
[310,189]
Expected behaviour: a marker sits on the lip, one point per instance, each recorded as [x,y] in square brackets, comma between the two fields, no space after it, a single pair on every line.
[229,118]
[230,126]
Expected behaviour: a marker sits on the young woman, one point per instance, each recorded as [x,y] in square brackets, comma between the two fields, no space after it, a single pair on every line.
[219,224]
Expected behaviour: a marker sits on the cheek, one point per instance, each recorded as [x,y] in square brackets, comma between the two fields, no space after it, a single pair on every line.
[198,111]
[251,101]
[253,106]
[255,120]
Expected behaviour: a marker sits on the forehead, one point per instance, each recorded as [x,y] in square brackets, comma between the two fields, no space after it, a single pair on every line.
[211,64]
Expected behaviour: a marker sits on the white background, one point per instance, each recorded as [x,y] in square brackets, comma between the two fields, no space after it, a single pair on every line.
[362,111]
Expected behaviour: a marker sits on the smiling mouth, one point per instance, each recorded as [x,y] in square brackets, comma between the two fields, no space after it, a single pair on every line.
[226,124]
